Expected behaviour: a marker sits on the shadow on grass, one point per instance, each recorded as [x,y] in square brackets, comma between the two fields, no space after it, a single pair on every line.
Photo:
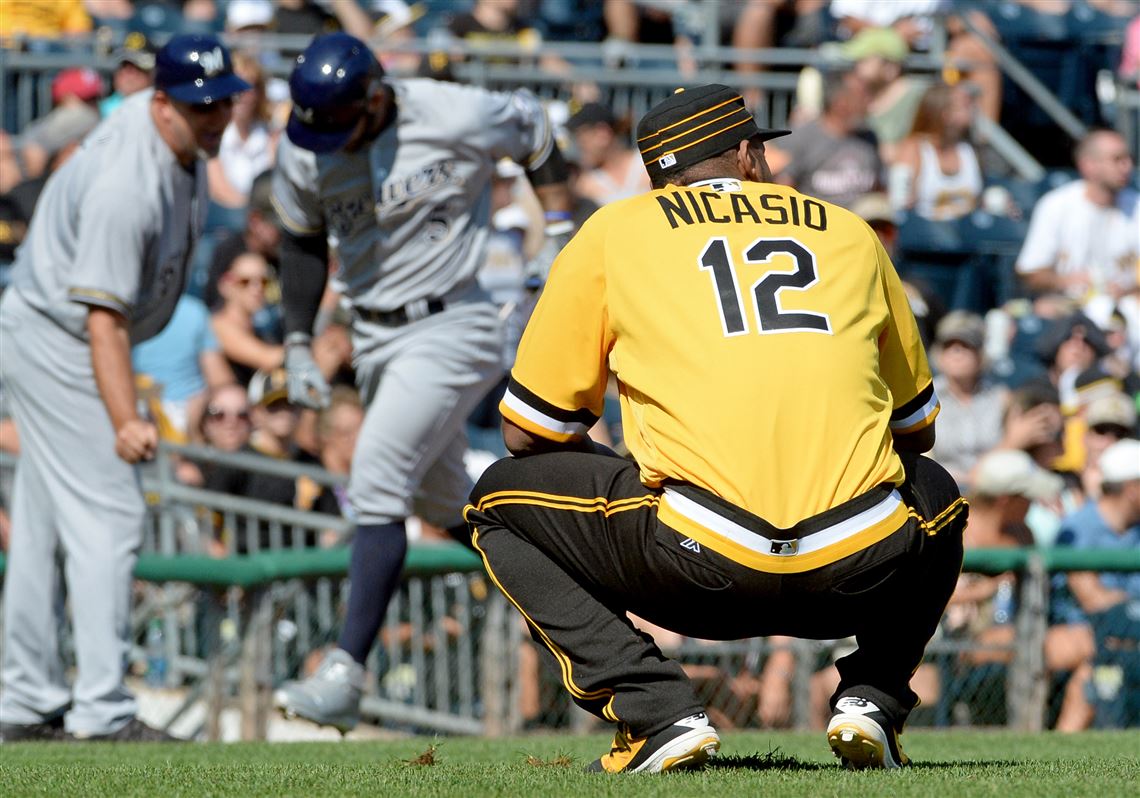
[775,760]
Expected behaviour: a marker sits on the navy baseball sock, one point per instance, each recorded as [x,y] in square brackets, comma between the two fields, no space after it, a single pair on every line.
[377,559]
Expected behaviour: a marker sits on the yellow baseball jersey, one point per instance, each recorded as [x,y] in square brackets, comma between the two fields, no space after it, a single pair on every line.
[761,339]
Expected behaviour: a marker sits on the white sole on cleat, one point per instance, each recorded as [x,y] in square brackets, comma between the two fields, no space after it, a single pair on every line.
[860,743]
[690,750]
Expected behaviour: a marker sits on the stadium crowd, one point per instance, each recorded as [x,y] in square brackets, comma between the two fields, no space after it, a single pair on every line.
[1026,292]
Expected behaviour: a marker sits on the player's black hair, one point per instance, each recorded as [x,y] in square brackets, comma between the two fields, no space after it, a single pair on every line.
[720,165]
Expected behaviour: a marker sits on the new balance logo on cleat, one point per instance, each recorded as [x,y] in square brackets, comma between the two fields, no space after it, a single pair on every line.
[698,721]
[858,706]
[691,545]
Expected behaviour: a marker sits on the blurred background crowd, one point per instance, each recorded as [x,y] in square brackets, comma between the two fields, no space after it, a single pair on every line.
[989,143]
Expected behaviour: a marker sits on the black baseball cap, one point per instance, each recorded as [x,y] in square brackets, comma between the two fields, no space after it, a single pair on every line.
[693,125]
[591,114]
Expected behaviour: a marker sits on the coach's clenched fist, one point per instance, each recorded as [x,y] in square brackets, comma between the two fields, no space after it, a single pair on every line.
[136,440]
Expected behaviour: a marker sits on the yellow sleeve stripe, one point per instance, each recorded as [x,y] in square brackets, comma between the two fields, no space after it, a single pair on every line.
[96,296]
[918,419]
[534,420]
[291,224]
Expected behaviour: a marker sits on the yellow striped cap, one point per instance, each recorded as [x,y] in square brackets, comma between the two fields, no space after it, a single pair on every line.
[693,125]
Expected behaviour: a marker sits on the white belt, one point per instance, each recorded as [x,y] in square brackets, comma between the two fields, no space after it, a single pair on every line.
[753,541]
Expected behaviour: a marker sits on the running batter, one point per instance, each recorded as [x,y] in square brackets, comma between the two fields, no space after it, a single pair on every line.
[399,172]
[102,268]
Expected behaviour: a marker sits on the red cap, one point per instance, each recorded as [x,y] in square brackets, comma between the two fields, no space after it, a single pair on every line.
[83,82]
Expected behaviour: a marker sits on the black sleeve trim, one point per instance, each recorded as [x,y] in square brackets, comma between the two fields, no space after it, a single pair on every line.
[915,404]
[581,416]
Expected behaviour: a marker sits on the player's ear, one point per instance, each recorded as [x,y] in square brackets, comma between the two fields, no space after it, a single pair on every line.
[746,162]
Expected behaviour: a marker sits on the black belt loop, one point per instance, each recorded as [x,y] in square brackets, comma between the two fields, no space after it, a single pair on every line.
[397,317]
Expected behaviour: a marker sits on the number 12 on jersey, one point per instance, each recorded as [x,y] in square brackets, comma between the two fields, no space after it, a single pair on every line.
[770,317]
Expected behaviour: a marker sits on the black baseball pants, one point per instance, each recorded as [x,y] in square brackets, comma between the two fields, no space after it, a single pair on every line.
[574,542]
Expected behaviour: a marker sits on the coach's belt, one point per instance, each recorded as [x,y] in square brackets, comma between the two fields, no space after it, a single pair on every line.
[825,539]
[413,311]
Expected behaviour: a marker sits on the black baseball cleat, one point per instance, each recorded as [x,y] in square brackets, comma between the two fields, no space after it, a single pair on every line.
[49,731]
[134,732]
[688,743]
[863,736]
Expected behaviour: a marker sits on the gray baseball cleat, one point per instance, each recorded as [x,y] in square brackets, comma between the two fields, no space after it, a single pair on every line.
[330,697]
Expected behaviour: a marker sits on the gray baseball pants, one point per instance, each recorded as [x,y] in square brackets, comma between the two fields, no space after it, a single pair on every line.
[419,383]
[77,504]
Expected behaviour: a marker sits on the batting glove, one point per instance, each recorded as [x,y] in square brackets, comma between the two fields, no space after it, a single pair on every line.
[306,385]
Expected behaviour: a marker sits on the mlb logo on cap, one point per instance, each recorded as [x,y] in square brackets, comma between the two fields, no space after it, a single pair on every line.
[667,160]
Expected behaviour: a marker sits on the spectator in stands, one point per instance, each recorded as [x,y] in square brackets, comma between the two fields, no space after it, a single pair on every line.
[1070,346]
[1034,424]
[982,610]
[1130,57]
[185,362]
[274,421]
[248,145]
[249,16]
[134,71]
[972,404]
[225,423]
[771,23]
[58,139]
[1100,598]
[915,21]
[75,94]
[832,157]
[261,236]
[877,56]
[1082,238]
[936,172]
[43,19]
[242,289]
[875,209]
[611,169]
[309,17]
[1109,419]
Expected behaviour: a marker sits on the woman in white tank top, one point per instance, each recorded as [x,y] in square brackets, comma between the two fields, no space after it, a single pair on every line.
[937,173]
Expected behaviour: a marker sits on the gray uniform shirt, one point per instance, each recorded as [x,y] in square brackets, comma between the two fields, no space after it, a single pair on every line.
[114,228]
[411,211]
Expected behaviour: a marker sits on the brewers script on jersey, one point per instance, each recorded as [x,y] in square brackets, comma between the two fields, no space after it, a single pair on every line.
[731,291]
[411,211]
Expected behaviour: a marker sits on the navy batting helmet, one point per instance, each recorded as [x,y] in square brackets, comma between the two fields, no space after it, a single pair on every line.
[195,68]
[329,86]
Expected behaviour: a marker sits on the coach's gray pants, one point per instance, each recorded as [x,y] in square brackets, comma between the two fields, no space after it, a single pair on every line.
[420,382]
[74,500]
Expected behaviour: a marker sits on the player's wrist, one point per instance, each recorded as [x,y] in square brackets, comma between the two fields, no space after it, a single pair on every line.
[298,339]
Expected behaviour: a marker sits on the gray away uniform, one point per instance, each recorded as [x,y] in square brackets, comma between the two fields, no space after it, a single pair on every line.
[411,214]
[113,229]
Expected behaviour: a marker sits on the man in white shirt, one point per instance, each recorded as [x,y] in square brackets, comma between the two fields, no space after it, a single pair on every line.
[1084,237]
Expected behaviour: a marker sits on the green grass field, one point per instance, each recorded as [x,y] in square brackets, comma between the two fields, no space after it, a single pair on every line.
[769,764]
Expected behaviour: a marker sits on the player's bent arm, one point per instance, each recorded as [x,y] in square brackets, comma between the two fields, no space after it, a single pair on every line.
[521,443]
[304,273]
[920,441]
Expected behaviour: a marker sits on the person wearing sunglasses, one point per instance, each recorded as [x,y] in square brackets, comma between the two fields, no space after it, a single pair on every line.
[103,265]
